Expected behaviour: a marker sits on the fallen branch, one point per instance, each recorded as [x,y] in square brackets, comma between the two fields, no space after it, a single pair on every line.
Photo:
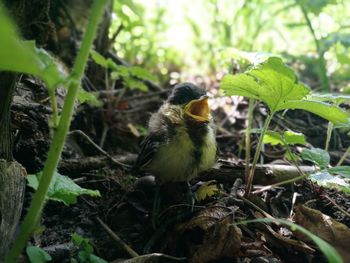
[225,172]
[267,174]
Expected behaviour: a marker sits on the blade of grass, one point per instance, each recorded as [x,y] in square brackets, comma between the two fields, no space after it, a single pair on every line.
[329,252]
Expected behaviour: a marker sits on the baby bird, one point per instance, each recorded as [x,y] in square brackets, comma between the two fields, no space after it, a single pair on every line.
[181,141]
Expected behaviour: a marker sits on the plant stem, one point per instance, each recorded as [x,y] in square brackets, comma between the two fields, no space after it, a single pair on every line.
[247,137]
[54,108]
[249,182]
[322,63]
[344,157]
[329,135]
[292,180]
[34,213]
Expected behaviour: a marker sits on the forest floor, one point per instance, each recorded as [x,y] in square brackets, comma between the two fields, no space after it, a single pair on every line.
[209,233]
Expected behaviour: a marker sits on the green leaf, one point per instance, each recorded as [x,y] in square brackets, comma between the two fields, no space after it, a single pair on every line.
[88,97]
[142,73]
[343,125]
[292,157]
[32,181]
[83,256]
[62,188]
[316,6]
[77,239]
[288,137]
[329,112]
[325,179]
[273,138]
[293,138]
[333,98]
[271,81]
[136,84]
[317,156]
[22,56]
[121,72]
[341,170]
[276,84]
[95,259]
[37,255]
[330,252]
[102,61]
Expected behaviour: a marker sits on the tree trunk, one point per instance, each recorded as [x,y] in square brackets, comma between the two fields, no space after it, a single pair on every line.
[12,174]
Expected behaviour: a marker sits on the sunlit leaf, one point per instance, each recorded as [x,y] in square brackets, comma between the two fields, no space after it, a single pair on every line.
[317,156]
[22,56]
[273,138]
[325,179]
[142,73]
[292,138]
[333,98]
[327,111]
[271,81]
[276,84]
[288,137]
[102,61]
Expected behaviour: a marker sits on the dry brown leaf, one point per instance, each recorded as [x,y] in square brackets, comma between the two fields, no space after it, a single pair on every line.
[325,227]
[222,240]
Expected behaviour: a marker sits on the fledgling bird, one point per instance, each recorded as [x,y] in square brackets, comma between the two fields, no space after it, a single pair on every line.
[181,141]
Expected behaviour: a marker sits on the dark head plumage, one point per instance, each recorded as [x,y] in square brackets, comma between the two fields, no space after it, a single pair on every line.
[184,93]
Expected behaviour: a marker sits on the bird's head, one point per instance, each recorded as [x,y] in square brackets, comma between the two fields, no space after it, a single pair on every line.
[193,101]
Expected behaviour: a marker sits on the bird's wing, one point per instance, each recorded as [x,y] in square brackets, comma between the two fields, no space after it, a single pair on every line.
[149,148]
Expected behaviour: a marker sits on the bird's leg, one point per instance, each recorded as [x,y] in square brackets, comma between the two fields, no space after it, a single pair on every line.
[156,206]
[191,197]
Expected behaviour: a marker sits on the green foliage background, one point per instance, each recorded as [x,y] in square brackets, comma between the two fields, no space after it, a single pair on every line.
[192,36]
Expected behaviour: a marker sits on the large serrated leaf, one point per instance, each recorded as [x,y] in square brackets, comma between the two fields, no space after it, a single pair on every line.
[22,56]
[288,137]
[276,84]
[271,81]
[327,111]
[317,156]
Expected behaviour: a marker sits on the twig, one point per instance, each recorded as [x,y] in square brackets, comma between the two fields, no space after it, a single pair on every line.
[342,159]
[117,239]
[99,148]
[337,206]
[266,214]
[115,34]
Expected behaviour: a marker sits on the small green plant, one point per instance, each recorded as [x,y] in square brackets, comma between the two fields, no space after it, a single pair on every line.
[286,140]
[336,177]
[131,76]
[275,84]
[86,251]
[37,255]
[19,56]
[62,188]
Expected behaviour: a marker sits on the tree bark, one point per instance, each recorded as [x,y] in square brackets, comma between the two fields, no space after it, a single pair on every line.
[12,180]
[12,184]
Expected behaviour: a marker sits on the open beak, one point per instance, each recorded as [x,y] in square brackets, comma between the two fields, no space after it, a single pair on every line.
[198,109]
